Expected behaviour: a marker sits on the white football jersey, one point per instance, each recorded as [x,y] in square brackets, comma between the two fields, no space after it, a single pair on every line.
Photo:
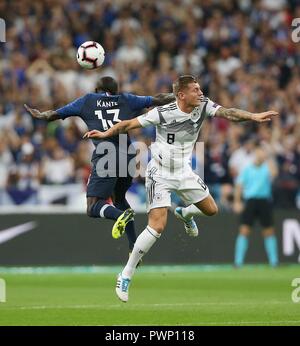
[176,131]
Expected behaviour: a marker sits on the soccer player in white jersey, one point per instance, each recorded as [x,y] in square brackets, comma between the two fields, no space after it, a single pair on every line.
[177,128]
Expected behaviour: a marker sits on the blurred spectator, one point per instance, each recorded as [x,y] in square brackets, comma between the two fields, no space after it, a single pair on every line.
[216,169]
[241,157]
[24,178]
[6,160]
[130,53]
[227,63]
[287,183]
[58,168]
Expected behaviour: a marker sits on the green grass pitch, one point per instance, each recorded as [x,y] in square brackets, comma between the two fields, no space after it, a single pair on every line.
[182,295]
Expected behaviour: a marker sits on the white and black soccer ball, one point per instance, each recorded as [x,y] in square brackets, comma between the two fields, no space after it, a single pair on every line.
[90,55]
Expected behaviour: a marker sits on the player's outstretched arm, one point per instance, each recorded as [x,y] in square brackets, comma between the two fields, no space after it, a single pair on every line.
[235,114]
[122,127]
[163,99]
[48,115]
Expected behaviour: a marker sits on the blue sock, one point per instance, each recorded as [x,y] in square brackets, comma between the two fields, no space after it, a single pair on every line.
[102,209]
[271,249]
[131,235]
[241,246]
[112,213]
[130,229]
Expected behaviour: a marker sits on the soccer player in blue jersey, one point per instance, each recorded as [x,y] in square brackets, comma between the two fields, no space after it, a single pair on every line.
[101,110]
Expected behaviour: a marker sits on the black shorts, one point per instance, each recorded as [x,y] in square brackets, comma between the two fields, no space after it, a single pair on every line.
[258,209]
[105,187]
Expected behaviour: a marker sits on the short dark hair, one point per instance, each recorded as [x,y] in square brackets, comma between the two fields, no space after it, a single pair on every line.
[107,84]
[182,82]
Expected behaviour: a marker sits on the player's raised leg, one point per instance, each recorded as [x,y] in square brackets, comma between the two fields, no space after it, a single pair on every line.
[99,190]
[100,208]
[120,202]
[156,224]
[190,225]
[207,207]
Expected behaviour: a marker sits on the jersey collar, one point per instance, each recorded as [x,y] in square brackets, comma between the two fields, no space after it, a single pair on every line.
[193,115]
[184,113]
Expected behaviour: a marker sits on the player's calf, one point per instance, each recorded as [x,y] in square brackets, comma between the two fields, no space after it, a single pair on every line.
[211,212]
[207,206]
[158,219]
[100,208]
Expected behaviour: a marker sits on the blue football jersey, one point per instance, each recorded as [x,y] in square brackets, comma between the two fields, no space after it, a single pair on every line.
[100,111]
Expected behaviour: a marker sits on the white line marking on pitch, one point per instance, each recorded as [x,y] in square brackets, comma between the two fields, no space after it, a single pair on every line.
[218,323]
[131,306]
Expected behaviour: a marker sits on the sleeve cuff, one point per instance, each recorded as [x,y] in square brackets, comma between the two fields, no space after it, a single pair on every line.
[142,121]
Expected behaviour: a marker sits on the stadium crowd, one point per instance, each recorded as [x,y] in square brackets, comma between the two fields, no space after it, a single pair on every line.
[240,50]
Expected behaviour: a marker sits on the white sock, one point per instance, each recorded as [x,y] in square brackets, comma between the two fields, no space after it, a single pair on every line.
[142,245]
[191,211]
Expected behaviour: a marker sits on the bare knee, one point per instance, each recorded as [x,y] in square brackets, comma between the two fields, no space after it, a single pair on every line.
[245,230]
[208,206]
[213,210]
[267,232]
[157,225]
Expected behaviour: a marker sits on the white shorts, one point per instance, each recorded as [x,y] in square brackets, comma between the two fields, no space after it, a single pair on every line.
[187,184]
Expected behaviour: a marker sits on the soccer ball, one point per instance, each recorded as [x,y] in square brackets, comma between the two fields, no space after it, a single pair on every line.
[90,55]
